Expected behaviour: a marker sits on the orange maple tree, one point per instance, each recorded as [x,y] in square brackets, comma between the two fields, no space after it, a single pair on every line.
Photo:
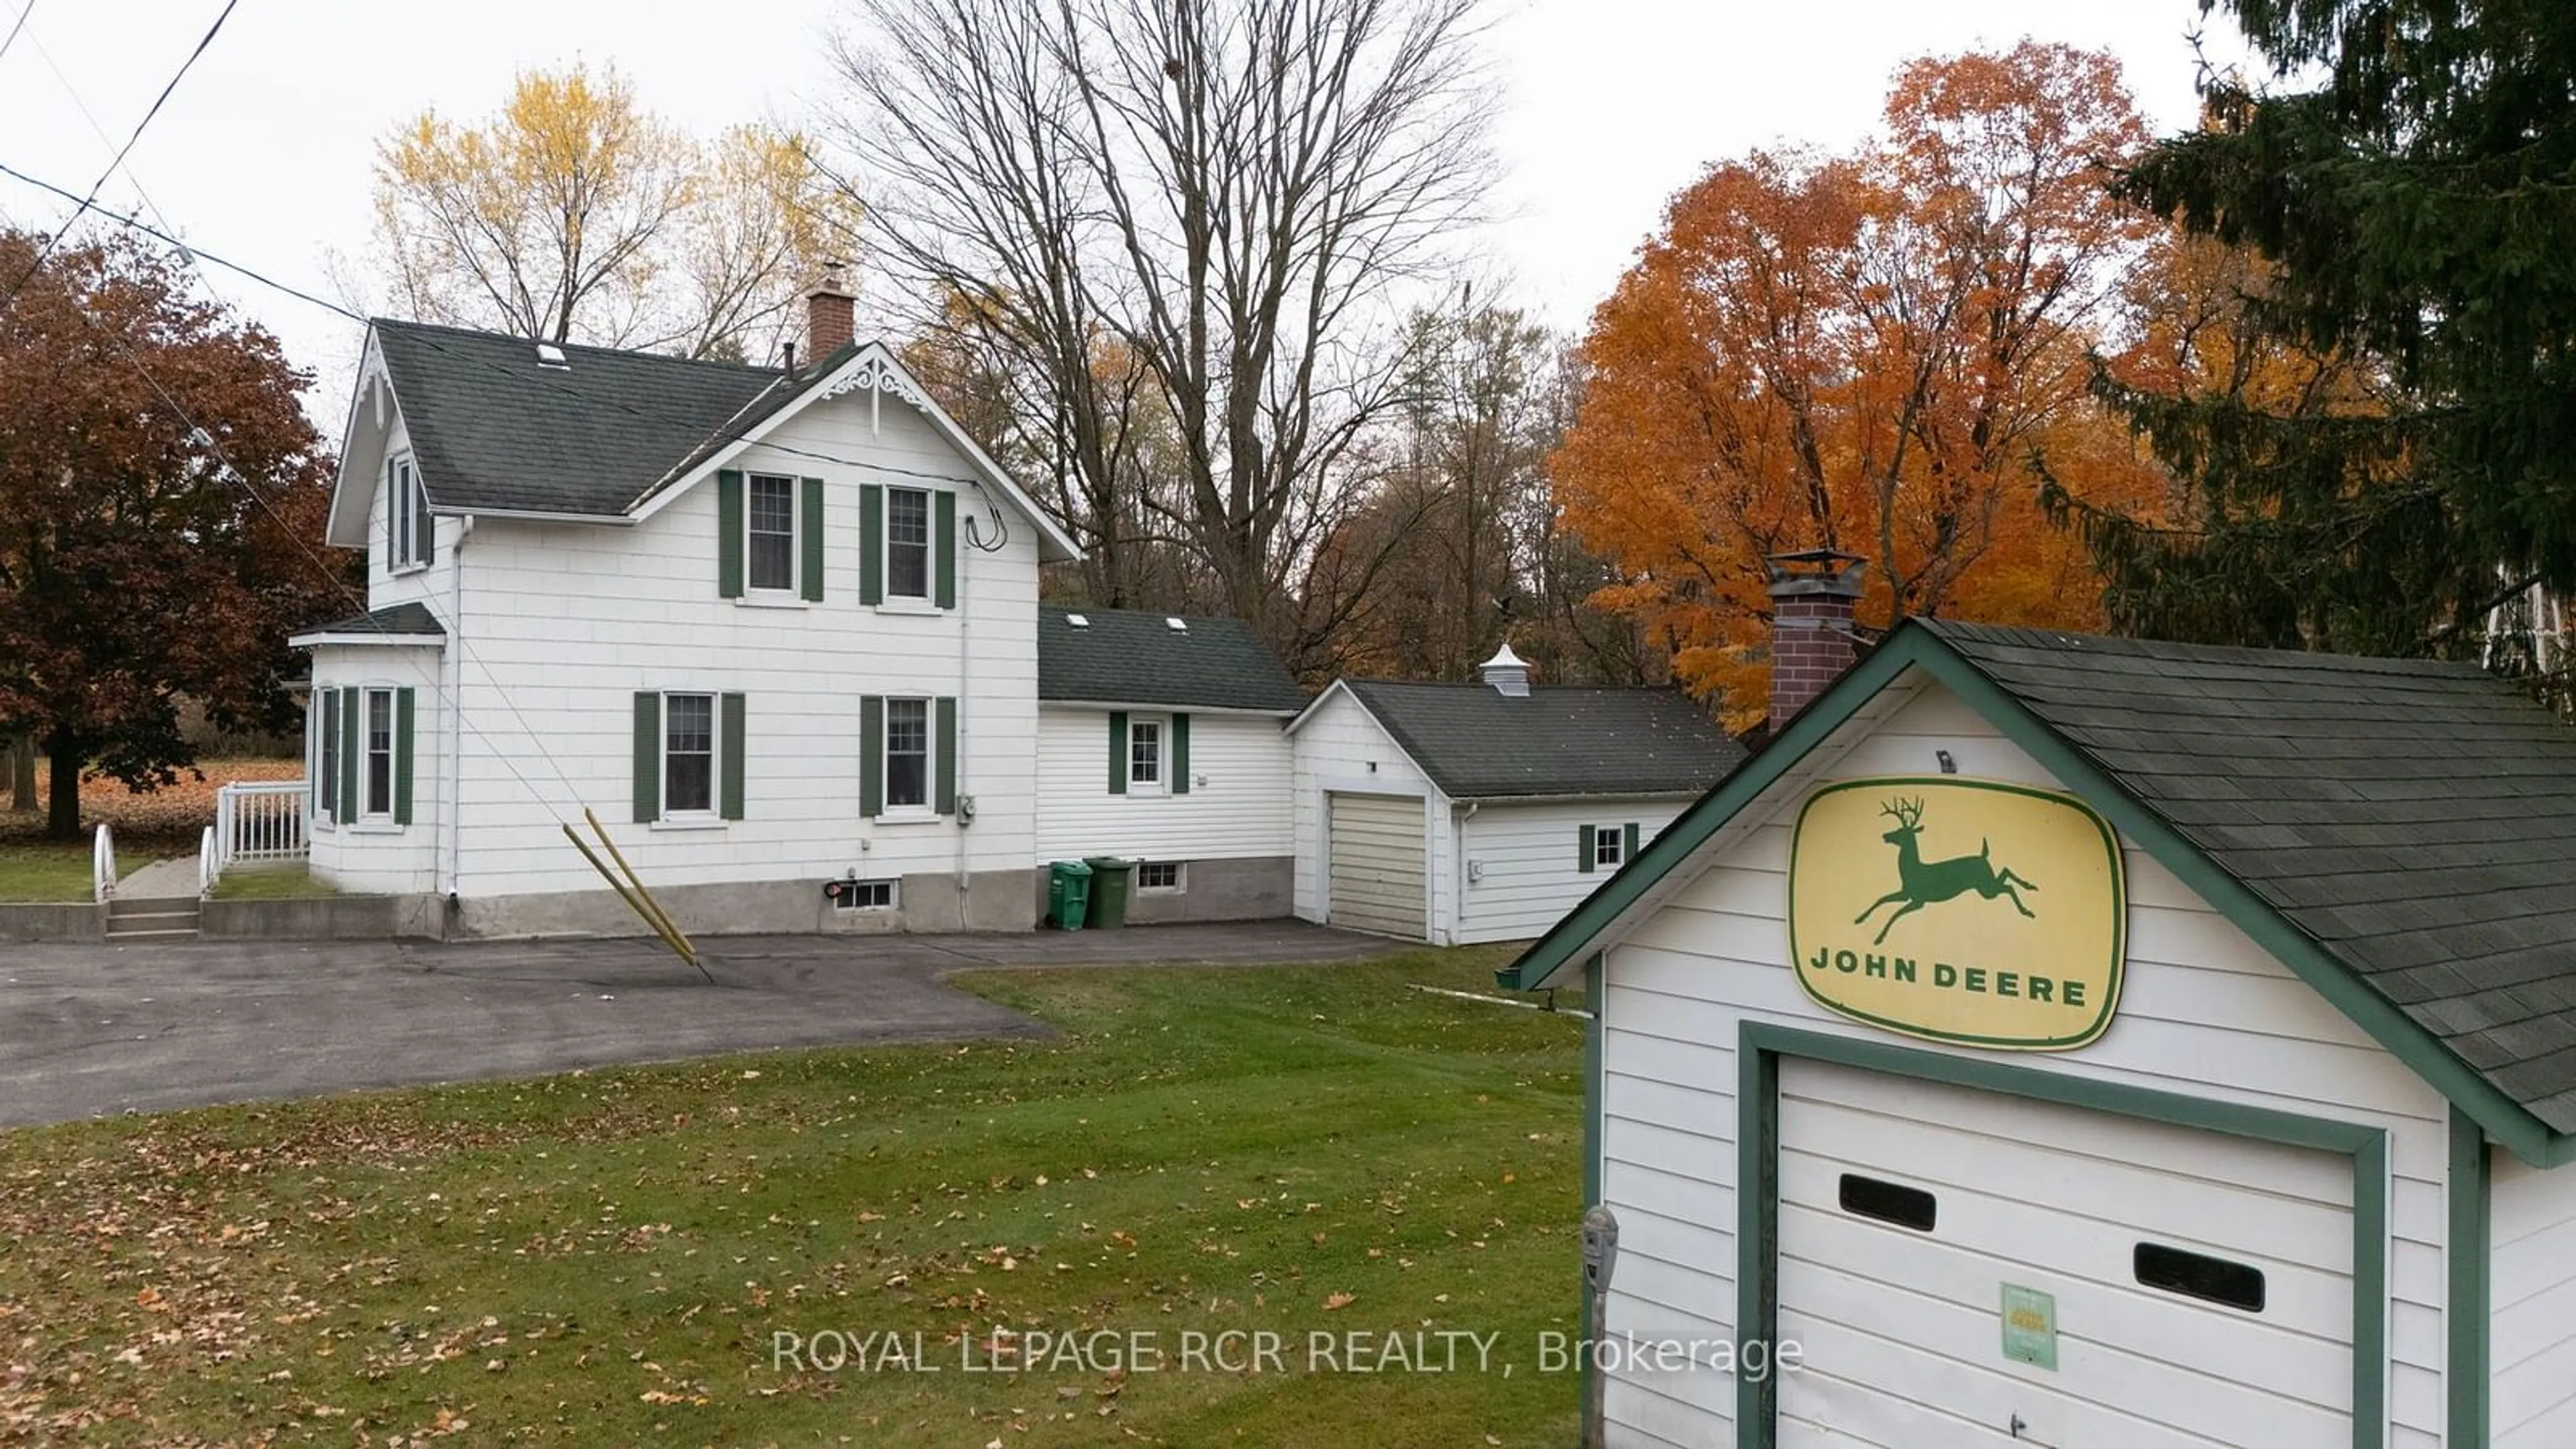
[1868,352]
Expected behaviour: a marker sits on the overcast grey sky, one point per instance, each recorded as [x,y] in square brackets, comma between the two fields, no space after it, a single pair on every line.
[1609,106]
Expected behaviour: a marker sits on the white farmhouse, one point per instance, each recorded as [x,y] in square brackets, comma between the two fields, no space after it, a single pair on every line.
[775,627]
[779,630]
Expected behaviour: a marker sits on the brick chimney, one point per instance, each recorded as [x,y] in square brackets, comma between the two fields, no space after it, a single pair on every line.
[831,315]
[1813,595]
[1507,672]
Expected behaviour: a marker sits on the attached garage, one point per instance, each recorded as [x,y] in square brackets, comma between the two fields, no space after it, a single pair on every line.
[2055,1040]
[1376,846]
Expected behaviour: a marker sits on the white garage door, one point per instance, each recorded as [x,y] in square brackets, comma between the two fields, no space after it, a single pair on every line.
[1376,878]
[2201,1284]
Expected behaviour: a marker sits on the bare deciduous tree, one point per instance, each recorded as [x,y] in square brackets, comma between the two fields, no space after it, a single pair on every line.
[1229,196]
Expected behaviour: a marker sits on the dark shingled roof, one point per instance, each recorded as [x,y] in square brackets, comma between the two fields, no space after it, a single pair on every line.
[493,431]
[1128,656]
[2417,819]
[394,619]
[1477,743]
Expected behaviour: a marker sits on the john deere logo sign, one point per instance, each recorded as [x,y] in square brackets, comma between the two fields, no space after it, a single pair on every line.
[1960,910]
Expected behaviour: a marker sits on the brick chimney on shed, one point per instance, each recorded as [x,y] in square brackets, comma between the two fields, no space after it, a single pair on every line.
[1814,593]
[831,314]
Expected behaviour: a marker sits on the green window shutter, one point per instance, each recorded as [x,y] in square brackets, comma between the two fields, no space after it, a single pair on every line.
[326,783]
[944,770]
[812,527]
[943,547]
[729,534]
[1180,754]
[1118,752]
[1583,849]
[871,544]
[1628,843]
[393,517]
[872,755]
[423,528]
[402,756]
[648,757]
[729,744]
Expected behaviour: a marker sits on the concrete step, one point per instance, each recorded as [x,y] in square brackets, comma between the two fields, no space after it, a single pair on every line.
[150,920]
[176,933]
[150,905]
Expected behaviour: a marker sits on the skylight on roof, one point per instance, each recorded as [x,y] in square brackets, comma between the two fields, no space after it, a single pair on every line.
[549,355]
[1079,621]
[1176,623]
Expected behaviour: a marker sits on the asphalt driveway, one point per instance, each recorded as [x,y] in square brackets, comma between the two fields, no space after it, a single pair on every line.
[88,1030]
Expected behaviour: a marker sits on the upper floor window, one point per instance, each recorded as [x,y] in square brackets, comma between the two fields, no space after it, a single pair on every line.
[407,521]
[771,541]
[907,543]
[1607,847]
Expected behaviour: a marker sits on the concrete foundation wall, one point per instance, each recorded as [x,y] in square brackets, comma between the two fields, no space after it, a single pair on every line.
[1213,890]
[70,921]
[996,900]
[323,918]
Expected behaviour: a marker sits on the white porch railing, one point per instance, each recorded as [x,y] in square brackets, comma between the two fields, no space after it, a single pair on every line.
[102,865]
[257,820]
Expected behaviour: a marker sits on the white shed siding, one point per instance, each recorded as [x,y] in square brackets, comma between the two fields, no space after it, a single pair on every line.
[1239,811]
[380,855]
[2204,1011]
[2532,1349]
[1339,747]
[565,622]
[1526,860]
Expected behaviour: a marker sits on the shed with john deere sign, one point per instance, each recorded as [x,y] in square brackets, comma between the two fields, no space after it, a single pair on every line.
[2057,1040]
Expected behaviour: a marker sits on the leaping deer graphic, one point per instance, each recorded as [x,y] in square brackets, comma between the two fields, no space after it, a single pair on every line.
[1924,882]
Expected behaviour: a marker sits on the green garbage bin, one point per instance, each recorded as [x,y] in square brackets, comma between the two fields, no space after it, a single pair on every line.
[1068,894]
[1109,880]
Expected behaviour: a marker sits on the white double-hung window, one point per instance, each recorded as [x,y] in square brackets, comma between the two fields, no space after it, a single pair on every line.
[770,537]
[407,521]
[688,756]
[907,543]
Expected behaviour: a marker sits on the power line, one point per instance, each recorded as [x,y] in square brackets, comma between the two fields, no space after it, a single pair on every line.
[88,201]
[14,29]
[718,436]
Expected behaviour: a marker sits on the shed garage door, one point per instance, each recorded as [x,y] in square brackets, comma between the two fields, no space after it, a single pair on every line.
[2201,1284]
[1377,875]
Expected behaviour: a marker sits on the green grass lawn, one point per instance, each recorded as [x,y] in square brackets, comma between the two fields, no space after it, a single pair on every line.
[268,883]
[609,1257]
[45,872]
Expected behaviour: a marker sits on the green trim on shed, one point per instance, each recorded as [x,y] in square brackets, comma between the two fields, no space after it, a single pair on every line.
[1916,647]
[1759,1048]
[2469,1299]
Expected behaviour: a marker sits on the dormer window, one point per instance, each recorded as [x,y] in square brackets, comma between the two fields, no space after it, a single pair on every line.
[408,536]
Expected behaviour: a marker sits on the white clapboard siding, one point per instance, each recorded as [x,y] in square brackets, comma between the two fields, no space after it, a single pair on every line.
[378,855]
[1377,870]
[1236,806]
[565,622]
[2533,1345]
[2204,1011]
[432,584]
[1337,746]
[1524,862]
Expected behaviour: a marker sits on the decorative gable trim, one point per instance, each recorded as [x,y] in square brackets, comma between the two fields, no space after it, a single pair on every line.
[875,370]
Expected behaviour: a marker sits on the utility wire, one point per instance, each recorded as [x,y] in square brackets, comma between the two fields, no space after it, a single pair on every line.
[718,436]
[92,198]
[14,29]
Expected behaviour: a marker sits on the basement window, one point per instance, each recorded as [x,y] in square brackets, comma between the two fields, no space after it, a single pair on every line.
[1159,875]
[866,895]
[1888,1202]
[2197,1275]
